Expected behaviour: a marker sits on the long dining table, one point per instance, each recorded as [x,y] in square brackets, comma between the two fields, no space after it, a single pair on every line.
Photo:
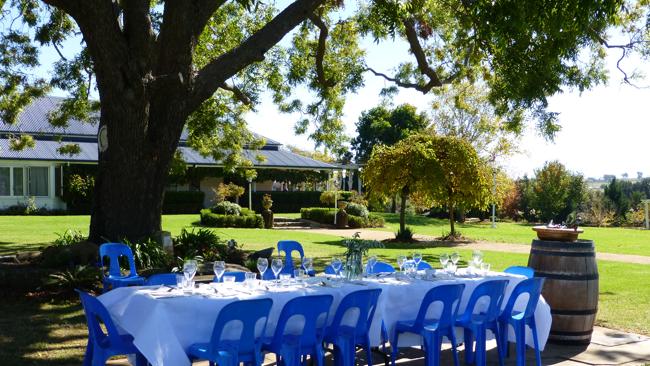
[164,321]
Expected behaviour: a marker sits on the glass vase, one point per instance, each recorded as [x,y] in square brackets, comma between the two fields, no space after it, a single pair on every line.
[353,266]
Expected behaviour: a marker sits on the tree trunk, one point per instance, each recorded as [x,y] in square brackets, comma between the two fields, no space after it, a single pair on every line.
[451,219]
[393,205]
[132,171]
[402,211]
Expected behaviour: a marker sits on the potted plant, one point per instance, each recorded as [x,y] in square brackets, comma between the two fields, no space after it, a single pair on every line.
[356,249]
[341,215]
[267,214]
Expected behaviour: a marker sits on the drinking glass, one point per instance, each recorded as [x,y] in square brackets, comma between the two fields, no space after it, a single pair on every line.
[485,268]
[477,258]
[308,264]
[276,267]
[444,258]
[451,268]
[372,260]
[229,279]
[336,265]
[249,279]
[298,274]
[417,258]
[400,262]
[454,258]
[189,269]
[262,265]
[409,268]
[285,279]
[180,281]
[219,267]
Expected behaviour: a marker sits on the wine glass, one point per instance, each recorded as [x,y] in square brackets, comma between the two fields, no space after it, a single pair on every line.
[262,265]
[372,260]
[307,264]
[336,265]
[477,258]
[400,262]
[219,268]
[417,258]
[276,267]
[454,258]
[189,269]
[444,258]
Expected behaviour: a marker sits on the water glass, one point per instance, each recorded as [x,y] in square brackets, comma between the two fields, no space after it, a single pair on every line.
[417,258]
[285,279]
[180,281]
[336,265]
[262,265]
[308,264]
[219,267]
[444,258]
[372,260]
[451,268]
[228,279]
[477,258]
[298,274]
[400,262]
[276,266]
[409,268]
[485,268]
[249,279]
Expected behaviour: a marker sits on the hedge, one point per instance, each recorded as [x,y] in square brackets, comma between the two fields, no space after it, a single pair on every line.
[183,202]
[286,201]
[215,220]
[326,216]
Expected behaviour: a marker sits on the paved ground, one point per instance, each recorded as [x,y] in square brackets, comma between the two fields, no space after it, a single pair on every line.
[608,347]
[480,245]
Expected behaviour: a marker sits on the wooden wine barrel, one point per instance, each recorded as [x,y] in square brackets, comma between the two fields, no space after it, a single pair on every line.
[570,288]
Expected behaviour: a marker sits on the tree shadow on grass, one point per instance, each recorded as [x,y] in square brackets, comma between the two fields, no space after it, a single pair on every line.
[41,330]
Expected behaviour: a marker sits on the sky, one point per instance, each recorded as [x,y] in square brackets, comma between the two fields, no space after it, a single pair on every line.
[605,130]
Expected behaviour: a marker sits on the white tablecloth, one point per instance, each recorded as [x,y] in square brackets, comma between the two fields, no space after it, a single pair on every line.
[164,328]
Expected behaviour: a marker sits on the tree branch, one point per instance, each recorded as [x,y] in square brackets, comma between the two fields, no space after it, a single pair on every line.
[139,31]
[420,56]
[215,73]
[238,93]
[320,51]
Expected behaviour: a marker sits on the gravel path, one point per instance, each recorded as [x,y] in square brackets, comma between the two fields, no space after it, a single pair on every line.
[480,245]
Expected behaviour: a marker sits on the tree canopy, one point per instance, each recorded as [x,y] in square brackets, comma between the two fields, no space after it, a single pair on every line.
[381,125]
[162,66]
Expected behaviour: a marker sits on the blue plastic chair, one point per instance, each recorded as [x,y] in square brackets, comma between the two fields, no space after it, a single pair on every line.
[520,319]
[433,330]
[288,247]
[168,279]
[346,338]
[239,276]
[423,265]
[477,324]
[248,348]
[102,346]
[330,270]
[380,267]
[115,278]
[521,270]
[269,276]
[291,348]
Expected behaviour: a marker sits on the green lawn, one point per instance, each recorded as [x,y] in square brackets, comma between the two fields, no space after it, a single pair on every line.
[608,240]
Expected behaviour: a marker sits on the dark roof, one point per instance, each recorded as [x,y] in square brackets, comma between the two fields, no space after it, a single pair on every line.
[46,150]
[33,121]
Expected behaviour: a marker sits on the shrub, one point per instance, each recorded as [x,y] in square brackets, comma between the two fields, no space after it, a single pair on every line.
[357,222]
[375,220]
[405,235]
[327,197]
[208,218]
[183,202]
[326,216]
[78,192]
[225,191]
[357,210]
[81,277]
[226,208]
[69,237]
[206,244]
[149,254]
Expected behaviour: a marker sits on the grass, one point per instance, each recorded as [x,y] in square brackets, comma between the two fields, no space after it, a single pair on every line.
[607,240]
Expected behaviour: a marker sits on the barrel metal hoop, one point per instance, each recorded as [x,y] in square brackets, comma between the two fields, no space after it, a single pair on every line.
[574,312]
[570,333]
[563,254]
[563,244]
[567,277]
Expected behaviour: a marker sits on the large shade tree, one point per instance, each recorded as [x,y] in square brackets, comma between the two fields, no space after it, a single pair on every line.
[160,66]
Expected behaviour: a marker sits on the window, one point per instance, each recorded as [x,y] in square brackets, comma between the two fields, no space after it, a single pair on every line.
[5,182]
[38,181]
[19,182]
